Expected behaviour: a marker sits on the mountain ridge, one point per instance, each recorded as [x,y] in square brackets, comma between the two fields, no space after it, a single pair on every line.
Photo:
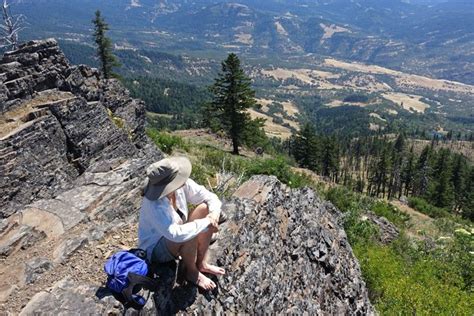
[418,36]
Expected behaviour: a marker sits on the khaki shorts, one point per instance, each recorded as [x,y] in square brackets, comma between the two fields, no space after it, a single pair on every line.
[161,252]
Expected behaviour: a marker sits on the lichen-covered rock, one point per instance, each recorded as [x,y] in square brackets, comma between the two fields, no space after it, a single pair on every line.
[285,253]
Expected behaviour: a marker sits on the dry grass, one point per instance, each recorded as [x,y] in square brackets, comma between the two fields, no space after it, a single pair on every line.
[409,102]
[314,78]
[461,147]
[377,116]
[271,129]
[244,38]
[368,83]
[337,103]
[419,224]
[280,29]
[330,30]
[290,108]
[403,79]
[158,115]
[206,138]
[265,103]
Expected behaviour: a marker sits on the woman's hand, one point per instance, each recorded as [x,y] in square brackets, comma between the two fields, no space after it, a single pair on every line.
[214,219]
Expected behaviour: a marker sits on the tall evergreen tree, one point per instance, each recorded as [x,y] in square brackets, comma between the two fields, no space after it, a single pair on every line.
[468,199]
[397,162]
[423,172]
[408,174]
[305,148]
[330,158]
[104,46]
[441,191]
[458,179]
[380,173]
[232,97]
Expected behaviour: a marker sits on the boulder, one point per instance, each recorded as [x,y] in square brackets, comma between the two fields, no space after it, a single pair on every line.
[388,231]
[284,252]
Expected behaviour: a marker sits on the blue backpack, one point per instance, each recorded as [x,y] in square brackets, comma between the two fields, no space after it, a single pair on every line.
[127,273]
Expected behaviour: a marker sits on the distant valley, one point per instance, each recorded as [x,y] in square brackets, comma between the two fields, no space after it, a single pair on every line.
[376,59]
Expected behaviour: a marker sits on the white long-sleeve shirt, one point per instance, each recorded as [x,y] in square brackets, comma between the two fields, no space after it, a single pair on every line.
[159,219]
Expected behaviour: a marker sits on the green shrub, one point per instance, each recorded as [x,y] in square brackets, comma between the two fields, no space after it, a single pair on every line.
[423,287]
[390,212]
[359,230]
[165,141]
[347,200]
[280,168]
[200,174]
[422,206]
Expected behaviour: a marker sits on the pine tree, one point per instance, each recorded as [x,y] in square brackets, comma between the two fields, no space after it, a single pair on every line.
[468,198]
[104,46]
[233,95]
[380,173]
[397,162]
[330,158]
[305,148]
[423,172]
[408,173]
[441,191]
[458,179]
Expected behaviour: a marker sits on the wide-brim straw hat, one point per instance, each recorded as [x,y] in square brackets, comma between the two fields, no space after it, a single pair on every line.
[166,176]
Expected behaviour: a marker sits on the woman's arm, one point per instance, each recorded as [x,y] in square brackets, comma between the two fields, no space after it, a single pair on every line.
[179,232]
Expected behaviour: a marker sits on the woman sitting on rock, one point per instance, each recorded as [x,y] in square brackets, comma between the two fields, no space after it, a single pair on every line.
[167,230]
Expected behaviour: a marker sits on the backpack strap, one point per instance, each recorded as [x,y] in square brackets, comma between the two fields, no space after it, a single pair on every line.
[135,301]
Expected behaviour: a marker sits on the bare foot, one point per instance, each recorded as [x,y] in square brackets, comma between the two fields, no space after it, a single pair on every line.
[209,268]
[202,281]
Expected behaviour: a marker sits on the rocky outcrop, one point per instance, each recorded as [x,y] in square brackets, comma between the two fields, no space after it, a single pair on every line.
[73,154]
[284,252]
[59,119]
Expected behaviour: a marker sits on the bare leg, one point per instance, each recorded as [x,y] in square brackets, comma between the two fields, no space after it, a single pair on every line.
[194,252]
[204,240]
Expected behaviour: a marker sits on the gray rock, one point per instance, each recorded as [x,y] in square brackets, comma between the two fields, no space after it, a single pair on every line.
[91,134]
[388,231]
[19,237]
[68,247]
[69,298]
[33,164]
[403,199]
[35,267]
[82,121]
